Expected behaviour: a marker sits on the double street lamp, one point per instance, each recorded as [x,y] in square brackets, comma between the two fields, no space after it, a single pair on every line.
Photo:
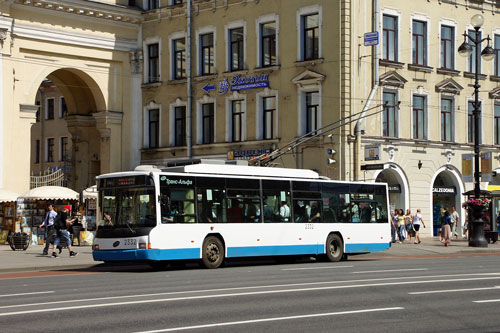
[477,236]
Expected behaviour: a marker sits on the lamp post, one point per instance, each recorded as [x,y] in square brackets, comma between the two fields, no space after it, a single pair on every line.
[477,236]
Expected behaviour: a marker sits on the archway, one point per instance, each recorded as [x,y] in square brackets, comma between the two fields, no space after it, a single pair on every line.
[398,186]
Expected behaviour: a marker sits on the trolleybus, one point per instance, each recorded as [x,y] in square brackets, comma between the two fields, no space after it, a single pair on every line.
[213,211]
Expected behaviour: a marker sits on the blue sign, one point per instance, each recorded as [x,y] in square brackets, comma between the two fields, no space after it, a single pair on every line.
[239,83]
[371,38]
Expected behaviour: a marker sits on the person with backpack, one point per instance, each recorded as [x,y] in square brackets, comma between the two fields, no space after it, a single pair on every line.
[62,224]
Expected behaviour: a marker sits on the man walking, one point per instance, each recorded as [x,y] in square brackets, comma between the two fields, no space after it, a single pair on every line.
[455,219]
[48,223]
[62,223]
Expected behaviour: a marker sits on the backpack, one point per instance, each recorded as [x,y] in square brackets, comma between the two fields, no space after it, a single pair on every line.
[59,223]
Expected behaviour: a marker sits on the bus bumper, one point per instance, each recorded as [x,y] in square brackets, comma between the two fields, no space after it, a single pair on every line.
[145,254]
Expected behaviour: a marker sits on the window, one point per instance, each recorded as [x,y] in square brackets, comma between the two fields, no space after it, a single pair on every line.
[310,24]
[176,2]
[208,122]
[497,123]
[153,4]
[50,150]
[63,108]
[276,198]
[268,44]
[419,120]
[236,120]
[153,63]
[207,54]
[446,119]
[180,125]
[447,47]
[389,121]
[268,108]
[497,55]
[49,112]
[154,128]
[63,149]
[37,151]
[470,122]
[312,111]
[179,53]
[37,111]
[211,200]
[236,38]
[419,43]
[472,57]
[390,37]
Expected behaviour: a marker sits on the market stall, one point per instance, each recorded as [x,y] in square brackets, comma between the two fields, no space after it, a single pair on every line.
[7,213]
[32,206]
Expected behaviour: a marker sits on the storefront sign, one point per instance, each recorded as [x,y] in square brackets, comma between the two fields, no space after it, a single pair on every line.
[444,190]
[372,153]
[378,166]
[247,153]
[486,167]
[394,188]
[238,82]
[467,167]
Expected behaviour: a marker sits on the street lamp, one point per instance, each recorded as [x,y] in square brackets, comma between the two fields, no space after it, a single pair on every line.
[477,236]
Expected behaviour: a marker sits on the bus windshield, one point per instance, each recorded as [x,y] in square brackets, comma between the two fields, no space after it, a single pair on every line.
[128,207]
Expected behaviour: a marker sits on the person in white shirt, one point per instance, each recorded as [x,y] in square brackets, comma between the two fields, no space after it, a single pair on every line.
[284,212]
[455,220]
[417,220]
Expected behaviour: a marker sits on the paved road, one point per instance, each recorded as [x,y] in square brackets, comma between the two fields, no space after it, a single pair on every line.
[400,295]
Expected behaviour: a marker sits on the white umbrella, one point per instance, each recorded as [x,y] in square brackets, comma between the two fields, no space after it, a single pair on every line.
[90,193]
[8,196]
[50,193]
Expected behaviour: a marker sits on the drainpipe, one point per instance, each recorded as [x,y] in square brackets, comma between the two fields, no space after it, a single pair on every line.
[189,90]
[375,73]
[41,153]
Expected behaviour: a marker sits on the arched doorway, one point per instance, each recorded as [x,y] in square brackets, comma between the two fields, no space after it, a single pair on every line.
[398,186]
[447,190]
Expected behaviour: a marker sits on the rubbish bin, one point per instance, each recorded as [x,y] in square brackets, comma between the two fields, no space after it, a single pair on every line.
[19,241]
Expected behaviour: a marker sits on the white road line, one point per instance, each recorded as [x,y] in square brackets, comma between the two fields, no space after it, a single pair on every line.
[487,301]
[309,268]
[392,270]
[33,293]
[189,298]
[243,322]
[450,290]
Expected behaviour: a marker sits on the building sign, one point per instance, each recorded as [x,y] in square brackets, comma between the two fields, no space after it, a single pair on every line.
[444,190]
[371,38]
[247,153]
[486,167]
[467,167]
[394,188]
[372,153]
[238,82]
[379,166]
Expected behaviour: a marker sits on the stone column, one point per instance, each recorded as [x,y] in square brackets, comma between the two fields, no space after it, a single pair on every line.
[109,125]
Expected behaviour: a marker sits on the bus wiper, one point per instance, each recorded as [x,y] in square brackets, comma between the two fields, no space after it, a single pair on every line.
[128,225]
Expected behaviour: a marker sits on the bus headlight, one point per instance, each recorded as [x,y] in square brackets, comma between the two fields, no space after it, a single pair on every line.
[142,245]
[95,247]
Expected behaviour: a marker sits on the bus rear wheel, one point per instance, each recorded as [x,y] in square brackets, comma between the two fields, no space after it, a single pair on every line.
[334,248]
[212,252]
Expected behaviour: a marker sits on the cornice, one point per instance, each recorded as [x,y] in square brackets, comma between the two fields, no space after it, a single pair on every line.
[87,9]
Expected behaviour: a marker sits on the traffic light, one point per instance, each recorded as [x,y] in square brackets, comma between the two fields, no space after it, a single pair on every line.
[330,153]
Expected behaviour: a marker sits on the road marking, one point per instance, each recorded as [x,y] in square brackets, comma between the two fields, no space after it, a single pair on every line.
[450,290]
[243,322]
[487,301]
[392,270]
[309,268]
[249,293]
[33,293]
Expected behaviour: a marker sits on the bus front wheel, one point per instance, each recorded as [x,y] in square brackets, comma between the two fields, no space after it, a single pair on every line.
[334,248]
[213,252]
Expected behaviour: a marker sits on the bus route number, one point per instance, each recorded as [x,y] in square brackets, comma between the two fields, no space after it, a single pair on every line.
[130,241]
[309,226]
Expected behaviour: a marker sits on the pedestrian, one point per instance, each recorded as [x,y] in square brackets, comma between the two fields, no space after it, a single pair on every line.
[455,220]
[62,223]
[409,224]
[401,226]
[446,229]
[417,220]
[50,232]
[394,223]
[465,228]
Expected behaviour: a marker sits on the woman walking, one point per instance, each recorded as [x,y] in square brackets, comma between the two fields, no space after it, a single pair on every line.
[417,220]
[401,226]
[446,229]
[409,224]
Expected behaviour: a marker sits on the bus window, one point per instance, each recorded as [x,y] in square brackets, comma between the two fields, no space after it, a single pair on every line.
[211,205]
[307,210]
[277,201]
[181,208]
[336,200]
[243,205]
[380,197]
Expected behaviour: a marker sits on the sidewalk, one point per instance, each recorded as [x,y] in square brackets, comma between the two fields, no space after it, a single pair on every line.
[33,260]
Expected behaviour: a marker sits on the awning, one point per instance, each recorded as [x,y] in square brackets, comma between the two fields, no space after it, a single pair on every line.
[51,193]
[8,196]
[90,193]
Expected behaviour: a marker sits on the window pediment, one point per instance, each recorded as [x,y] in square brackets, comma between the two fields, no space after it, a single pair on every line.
[392,79]
[308,78]
[449,86]
[495,93]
